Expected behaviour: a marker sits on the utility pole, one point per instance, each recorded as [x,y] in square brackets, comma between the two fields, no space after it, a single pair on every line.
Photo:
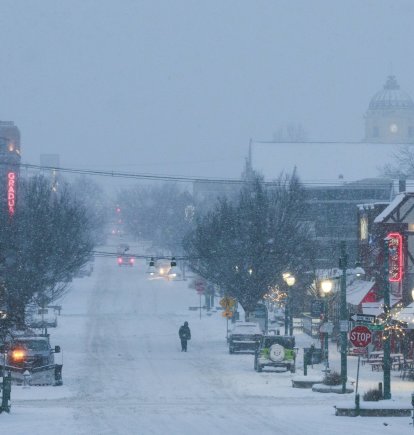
[343,264]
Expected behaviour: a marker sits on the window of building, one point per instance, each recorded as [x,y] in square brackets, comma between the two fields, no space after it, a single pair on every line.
[363,228]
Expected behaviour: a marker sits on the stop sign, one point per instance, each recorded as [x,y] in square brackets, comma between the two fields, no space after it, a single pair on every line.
[360,336]
[199,285]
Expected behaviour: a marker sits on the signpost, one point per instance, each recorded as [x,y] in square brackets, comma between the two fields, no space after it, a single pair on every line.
[376,327]
[200,288]
[343,325]
[326,328]
[199,285]
[227,303]
[360,336]
[362,318]
[317,308]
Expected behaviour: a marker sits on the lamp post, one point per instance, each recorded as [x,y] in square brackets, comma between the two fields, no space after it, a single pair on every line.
[326,287]
[290,281]
[343,319]
[343,264]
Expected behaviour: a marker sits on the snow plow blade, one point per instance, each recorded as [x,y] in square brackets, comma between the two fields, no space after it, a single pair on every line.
[44,375]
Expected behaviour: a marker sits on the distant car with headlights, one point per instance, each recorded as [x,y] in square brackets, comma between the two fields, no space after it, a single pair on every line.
[124,259]
[276,351]
[162,267]
[245,337]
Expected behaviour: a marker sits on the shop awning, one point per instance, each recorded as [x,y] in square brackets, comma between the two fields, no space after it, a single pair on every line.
[357,291]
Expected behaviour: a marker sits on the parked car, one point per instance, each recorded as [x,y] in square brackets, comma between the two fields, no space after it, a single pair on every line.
[275,351]
[38,317]
[245,336]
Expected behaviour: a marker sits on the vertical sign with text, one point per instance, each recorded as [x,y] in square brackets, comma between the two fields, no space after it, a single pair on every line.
[11,192]
[395,257]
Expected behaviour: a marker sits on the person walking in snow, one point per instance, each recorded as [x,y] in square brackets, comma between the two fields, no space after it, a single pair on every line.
[185,335]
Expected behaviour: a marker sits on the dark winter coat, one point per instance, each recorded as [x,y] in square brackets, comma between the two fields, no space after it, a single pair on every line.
[184,333]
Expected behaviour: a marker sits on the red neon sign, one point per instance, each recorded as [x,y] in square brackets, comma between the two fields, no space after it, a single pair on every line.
[11,192]
[395,257]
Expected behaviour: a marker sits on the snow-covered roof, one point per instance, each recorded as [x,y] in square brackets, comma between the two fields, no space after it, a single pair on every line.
[404,201]
[321,161]
[396,202]
[357,290]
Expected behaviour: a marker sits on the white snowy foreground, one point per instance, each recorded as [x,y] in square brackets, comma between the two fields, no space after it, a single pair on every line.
[124,373]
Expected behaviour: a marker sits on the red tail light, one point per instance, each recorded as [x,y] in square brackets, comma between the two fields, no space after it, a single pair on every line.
[119,260]
[131,260]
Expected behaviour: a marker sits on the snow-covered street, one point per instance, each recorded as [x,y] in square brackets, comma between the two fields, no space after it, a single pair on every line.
[124,372]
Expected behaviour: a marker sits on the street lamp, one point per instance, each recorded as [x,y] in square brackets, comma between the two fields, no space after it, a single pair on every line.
[326,287]
[358,271]
[290,281]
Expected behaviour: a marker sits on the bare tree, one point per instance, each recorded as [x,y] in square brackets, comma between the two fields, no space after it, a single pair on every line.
[160,213]
[403,166]
[96,204]
[292,132]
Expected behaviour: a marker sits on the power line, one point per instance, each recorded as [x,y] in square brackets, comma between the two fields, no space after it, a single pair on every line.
[187,179]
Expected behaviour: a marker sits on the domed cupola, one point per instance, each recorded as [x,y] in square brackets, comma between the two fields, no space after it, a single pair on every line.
[391,97]
[390,115]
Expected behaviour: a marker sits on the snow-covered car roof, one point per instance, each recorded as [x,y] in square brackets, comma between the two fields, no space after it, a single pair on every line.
[246,327]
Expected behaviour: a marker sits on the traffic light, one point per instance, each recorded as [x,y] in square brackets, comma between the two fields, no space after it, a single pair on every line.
[151,267]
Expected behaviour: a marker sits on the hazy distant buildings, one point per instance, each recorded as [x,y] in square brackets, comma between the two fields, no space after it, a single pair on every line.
[339,176]
[390,115]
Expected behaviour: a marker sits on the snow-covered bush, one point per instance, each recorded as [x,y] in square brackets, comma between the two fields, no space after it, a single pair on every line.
[333,378]
[373,395]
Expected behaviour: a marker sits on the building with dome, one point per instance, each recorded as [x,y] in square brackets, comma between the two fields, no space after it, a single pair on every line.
[390,115]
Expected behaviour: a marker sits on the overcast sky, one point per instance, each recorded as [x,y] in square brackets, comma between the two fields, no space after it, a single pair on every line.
[179,87]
